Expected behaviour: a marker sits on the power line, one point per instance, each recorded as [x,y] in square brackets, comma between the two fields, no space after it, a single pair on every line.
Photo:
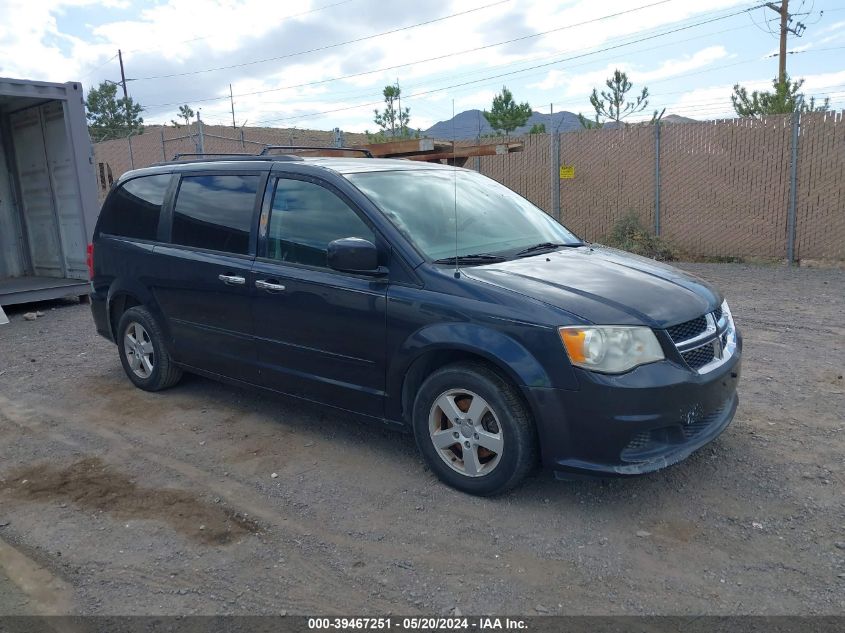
[419,61]
[328,46]
[810,50]
[601,50]
[452,76]
[287,17]
[92,71]
[587,63]
[579,101]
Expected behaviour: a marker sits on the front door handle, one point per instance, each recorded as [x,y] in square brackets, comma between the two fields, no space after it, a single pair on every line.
[232,279]
[269,286]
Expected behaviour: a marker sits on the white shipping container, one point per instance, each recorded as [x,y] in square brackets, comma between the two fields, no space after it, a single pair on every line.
[48,196]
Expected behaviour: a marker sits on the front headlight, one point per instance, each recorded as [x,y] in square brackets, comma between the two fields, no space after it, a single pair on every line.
[610,350]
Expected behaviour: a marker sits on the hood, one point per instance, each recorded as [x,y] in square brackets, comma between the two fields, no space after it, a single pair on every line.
[605,286]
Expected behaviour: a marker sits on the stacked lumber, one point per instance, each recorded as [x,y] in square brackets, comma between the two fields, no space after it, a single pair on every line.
[430,150]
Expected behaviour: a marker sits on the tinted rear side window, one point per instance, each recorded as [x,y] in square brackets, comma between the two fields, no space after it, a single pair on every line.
[215,212]
[134,208]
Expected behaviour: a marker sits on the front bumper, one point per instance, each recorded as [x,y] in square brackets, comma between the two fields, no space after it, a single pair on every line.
[634,423]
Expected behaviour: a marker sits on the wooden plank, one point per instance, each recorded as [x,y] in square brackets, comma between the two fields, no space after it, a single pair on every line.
[407,146]
[492,149]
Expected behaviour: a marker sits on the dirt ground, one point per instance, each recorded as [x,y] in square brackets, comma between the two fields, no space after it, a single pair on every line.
[117,501]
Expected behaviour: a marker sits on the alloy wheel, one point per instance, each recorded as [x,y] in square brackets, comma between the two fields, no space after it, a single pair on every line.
[138,348]
[466,432]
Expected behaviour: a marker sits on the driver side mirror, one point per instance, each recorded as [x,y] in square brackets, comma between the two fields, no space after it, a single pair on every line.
[354,255]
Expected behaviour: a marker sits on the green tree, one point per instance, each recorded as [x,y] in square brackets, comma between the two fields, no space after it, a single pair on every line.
[393,120]
[506,114]
[785,98]
[186,113]
[613,104]
[538,128]
[110,117]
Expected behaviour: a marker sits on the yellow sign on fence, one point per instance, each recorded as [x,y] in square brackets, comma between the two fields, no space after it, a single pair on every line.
[567,172]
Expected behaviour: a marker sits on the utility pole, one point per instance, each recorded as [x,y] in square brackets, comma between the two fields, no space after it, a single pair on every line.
[785,30]
[200,138]
[232,101]
[125,92]
[554,163]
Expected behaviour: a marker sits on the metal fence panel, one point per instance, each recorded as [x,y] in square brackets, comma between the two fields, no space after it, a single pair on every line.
[820,203]
[526,172]
[613,175]
[725,187]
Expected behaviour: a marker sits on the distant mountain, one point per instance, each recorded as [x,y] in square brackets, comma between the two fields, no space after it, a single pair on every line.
[677,118]
[470,124]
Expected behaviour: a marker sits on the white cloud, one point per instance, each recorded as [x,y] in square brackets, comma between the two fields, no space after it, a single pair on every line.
[836,26]
[186,35]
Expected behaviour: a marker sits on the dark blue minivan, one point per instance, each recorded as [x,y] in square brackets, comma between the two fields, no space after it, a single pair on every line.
[426,296]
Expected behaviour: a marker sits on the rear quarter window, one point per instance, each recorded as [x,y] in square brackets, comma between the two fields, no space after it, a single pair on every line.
[134,209]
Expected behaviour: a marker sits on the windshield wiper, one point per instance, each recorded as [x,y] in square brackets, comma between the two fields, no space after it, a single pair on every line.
[478,258]
[544,246]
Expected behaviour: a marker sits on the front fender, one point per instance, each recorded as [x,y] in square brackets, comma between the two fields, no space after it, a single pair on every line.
[501,349]
[497,347]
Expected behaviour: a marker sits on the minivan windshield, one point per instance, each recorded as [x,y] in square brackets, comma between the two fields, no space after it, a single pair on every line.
[435,208]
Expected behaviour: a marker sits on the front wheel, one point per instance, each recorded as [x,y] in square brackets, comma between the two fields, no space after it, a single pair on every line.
[473,429]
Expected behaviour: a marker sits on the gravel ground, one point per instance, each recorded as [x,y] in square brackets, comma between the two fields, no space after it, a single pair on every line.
[117,501]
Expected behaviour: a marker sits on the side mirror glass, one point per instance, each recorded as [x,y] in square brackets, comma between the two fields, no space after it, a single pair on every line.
[354,255]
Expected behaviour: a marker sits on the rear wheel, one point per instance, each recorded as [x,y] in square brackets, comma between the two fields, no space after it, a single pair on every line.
[473,429]
[144,357]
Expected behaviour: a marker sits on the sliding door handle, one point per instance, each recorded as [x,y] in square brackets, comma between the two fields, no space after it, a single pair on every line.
[269,286]
[232,279]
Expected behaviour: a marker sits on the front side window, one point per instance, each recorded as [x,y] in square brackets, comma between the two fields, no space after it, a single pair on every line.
[459,212]
[133,210]
[305,218]
[215,212]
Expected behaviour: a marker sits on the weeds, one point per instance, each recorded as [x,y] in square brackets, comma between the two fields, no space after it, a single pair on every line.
[630,235]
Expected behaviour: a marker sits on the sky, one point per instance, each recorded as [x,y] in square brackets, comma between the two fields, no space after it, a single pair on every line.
[321,64]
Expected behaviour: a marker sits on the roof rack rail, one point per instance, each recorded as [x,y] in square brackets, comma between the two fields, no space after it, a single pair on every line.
[227,158]
[267,148]
[181,155]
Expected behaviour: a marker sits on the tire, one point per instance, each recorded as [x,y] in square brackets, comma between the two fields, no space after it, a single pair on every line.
[143,354]
[502,442]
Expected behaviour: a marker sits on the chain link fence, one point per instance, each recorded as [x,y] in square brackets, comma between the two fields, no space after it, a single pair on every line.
[716,189]
[162,143]
[719,189]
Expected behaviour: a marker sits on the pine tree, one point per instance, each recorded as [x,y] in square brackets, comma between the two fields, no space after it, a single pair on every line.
[613,104]
[393,120]
[186,113]
[784,99]
[505,114]
[110,117]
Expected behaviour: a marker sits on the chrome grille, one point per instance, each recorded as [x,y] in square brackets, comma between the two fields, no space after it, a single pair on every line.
[687,330]
[700,356]
[705,341]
